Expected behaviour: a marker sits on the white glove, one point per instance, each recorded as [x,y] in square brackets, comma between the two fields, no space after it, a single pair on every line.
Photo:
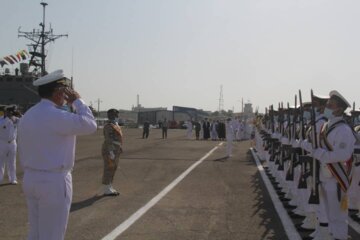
[112,155]
[318,153]
[306,146]
[296,143]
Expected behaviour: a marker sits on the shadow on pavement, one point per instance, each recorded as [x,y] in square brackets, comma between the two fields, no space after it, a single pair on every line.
[6,184]
[222,159]
[157,159]
[85,203]
[263,206]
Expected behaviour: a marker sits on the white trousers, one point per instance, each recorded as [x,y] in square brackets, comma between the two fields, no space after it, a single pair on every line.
[229,145]
[354,190]
[240,135]
[213,134]
[189,133]
[8,159]
[320,209]
[338,226]
[48,196]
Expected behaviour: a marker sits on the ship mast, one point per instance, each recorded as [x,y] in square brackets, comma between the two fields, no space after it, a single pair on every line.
[40,39]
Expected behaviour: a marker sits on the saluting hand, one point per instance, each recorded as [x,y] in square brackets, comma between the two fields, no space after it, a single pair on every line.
[71,95]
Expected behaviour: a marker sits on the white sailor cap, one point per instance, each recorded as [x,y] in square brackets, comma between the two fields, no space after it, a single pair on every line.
[306,104]
[56,76]
[321,97]
[336,95]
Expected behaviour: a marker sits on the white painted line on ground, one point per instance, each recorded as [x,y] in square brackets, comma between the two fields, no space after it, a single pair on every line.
[133,218]
[354,225]
[289,227]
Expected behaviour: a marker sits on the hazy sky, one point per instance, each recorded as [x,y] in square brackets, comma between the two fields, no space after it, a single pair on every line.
[179,52]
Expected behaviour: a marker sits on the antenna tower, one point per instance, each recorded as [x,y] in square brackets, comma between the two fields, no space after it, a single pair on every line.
[221,99]
[40,38]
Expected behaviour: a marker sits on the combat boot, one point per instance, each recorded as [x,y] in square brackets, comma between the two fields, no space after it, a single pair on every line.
[113,190]
[108,191]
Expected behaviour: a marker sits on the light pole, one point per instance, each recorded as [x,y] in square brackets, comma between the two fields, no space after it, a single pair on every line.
[98,101]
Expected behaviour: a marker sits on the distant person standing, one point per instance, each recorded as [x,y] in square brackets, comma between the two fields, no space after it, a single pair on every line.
[241,131]
[189,127]
[229,137]
[213,128]
[8,134]
[221,130]
[197,129]
[235,125]
[165,126]
[111,150]
[206,129]
[47,137]
[146,129]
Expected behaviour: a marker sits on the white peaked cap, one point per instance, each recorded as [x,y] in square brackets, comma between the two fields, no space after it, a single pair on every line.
[52,77]
[336,94]
[324,97]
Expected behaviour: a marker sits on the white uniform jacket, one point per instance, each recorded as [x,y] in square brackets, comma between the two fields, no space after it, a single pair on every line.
[7,130]
[47,135]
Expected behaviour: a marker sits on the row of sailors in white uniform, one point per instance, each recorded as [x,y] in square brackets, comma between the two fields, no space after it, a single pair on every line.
[238,129]
[327,225]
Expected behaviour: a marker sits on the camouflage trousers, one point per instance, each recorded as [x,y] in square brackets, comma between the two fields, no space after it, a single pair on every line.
[110,165]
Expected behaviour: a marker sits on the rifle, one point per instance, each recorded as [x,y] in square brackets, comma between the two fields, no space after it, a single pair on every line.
[302,181]
[288,131]
[272,125]
[353,115]
[282,119]
[266,118]
[276,143]
[289,122]
[290,172]
[279,160]
[314,196]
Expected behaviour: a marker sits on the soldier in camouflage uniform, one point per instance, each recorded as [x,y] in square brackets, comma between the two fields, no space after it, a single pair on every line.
[111,150]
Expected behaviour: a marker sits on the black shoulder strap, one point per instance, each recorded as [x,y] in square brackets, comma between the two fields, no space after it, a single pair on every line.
[322,118]
[332,127]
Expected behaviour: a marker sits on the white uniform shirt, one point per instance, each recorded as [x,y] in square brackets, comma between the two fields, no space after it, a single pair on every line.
[189,125]
[47,135]
[229,131]
[235,124]
[341,139]
[7,130]
[213,126]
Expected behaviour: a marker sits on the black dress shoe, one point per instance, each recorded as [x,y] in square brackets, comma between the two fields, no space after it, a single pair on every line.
[301,229]
[113,194]
[355,217]
[297,216]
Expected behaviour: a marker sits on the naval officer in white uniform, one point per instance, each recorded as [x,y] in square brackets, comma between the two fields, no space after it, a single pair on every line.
[8,125]
[46,143]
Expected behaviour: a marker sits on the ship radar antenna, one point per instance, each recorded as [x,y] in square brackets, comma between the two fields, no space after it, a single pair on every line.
[40,39]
